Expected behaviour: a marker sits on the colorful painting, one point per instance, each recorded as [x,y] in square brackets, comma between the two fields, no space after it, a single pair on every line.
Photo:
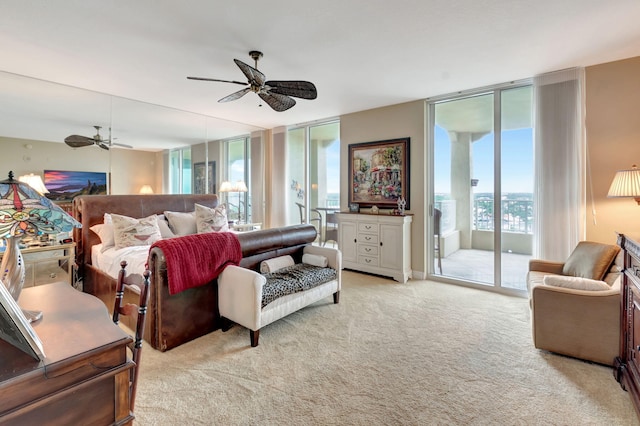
[379,173]
[64,186]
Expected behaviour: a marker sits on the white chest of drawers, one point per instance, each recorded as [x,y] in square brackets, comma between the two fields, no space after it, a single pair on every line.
[378,244]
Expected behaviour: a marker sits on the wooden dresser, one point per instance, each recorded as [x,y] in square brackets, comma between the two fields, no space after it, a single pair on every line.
[627,365]
[84,378]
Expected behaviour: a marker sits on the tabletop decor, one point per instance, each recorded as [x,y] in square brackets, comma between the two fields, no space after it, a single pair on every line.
[25,212]
[379,173]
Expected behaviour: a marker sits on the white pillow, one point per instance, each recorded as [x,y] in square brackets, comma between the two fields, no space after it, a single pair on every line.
[165,231]
[106,234]
[129,232]
[272,265]
[211,219]
[576,283]
[182,223]
[315,260]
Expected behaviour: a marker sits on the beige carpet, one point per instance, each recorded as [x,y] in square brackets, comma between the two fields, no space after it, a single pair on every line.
[419,353]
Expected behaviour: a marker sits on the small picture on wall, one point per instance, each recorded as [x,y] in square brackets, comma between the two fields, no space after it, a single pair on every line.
[64,186]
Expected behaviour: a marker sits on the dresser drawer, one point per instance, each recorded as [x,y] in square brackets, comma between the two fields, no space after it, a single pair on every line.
[368,238]
[367,250]
[633,271]
[369,227]
[368,260]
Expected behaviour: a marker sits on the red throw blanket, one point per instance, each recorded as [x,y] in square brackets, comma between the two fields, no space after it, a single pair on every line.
[195,260]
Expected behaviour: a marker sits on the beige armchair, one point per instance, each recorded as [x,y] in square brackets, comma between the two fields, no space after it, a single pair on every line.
[575,305]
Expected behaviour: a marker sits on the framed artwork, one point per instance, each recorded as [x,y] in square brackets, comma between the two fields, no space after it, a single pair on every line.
[379,173]
[64,185]
[199,178]
[15,328]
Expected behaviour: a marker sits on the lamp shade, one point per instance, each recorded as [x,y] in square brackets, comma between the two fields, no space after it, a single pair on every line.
[626,183]
[226,186]
[146,189]
[25,211]
[240,186]
[34,181]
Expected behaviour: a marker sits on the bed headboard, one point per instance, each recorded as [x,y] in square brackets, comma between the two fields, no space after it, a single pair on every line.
[90,209]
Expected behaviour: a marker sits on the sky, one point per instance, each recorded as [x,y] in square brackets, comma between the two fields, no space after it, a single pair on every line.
[517,161]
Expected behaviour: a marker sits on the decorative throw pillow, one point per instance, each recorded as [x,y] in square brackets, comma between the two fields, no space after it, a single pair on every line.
[182,223]
[315,260]
[106,234]
[272,265]
[135,232]
[590,260]
[165,231]
[576,283]
[211,219]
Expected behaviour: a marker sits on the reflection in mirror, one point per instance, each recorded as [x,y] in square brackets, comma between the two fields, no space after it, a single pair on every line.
[38,115]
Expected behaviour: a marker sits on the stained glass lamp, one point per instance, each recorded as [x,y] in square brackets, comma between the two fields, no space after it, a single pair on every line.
[25,212]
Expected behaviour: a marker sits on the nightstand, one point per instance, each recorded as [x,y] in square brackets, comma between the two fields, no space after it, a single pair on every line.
[48,264]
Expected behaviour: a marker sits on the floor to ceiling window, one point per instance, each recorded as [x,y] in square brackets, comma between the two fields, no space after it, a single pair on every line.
[180,171]
[236,172]
[313,176]
[483,187]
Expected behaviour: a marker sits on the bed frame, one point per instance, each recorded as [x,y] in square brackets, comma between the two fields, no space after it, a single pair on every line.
[194,319]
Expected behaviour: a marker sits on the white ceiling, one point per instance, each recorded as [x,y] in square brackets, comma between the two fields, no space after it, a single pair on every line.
[360,54]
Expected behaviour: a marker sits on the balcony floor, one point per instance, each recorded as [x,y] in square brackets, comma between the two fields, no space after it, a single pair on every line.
[477,266]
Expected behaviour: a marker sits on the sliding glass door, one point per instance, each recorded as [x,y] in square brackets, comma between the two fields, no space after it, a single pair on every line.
[483,187]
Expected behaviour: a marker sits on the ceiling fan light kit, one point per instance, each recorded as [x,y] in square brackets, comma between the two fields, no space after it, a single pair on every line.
[278,94]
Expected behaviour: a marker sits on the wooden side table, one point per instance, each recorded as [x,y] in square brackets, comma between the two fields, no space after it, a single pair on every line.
[84,378]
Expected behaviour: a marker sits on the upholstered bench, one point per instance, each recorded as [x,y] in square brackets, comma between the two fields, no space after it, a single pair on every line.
[254,300]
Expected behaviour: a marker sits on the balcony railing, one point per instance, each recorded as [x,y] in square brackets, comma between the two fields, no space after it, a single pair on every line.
[517,215]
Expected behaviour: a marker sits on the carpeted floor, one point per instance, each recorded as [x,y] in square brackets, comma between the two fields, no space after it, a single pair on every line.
[420,353]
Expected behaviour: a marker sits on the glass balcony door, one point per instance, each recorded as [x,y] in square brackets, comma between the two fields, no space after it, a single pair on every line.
[482,146]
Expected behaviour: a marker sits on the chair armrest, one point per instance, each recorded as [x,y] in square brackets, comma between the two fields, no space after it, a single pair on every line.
[546,266]
[240,296]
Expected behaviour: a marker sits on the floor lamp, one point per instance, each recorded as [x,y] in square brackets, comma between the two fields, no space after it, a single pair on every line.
[25,212]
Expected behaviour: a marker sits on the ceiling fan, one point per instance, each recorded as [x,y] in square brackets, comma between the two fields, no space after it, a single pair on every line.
[77,141]
[276,93]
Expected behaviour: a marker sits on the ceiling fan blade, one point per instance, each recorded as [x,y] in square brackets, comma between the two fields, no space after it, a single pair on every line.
[298,89]
[103,145]
[77,141]
[216,79]
[277,101]
[124,145]
[235,95]
[253,75]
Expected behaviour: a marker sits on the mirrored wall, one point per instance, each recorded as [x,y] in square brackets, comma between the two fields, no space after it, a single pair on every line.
[36,116]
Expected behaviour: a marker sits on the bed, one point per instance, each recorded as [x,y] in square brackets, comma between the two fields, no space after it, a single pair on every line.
[171,319]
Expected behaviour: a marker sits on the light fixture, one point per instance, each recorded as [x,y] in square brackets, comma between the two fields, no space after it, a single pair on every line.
[24,211]
[626,183]
[146,189]
[239,187]
[34,181]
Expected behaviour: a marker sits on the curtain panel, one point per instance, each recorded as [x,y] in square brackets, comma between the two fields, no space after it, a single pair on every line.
[560,158]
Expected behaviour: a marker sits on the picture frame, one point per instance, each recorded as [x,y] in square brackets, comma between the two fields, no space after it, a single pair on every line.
[65,185]
[379,173]
[354,208]
[15,328]
[199,180]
